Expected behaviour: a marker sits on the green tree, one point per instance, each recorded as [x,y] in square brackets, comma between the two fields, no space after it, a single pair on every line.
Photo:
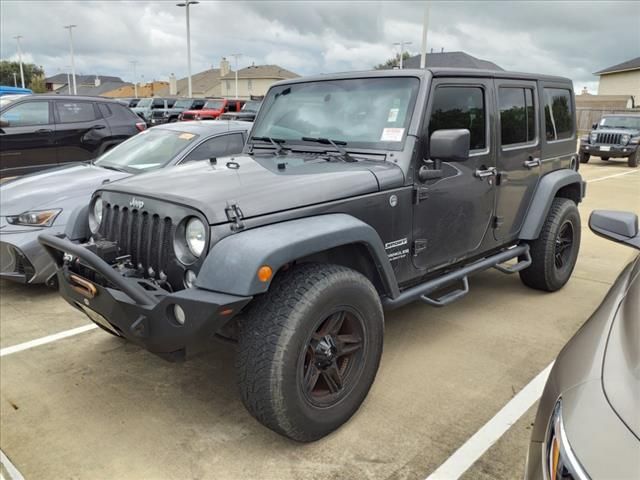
[33,75]
[393,62]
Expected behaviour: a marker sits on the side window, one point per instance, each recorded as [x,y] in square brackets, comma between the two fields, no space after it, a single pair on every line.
[198,104]
[517,115]
[558,115]
[157,103]
[27,114]
[171,102]
[105,110]
[217,147]
[72,112]
[460,107]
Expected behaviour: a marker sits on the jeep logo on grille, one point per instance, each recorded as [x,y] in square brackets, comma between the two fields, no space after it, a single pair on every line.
[135,203]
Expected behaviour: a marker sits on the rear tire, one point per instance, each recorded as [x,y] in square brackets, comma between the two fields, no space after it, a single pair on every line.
[309,350]
[633,159]
[555,251]
[584,157]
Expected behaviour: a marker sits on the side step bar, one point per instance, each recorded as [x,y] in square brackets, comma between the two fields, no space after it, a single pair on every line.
[422,291]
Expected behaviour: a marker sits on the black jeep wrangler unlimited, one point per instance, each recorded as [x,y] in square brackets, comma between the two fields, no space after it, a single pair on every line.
[356,193]
[616,136]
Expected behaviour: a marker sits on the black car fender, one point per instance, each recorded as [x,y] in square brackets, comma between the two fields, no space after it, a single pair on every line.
[232,264]
[565,183]
[77,226]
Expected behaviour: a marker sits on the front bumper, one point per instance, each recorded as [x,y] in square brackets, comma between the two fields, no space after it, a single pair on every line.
[139,310]
[22,258]
[158,121]
[613,151]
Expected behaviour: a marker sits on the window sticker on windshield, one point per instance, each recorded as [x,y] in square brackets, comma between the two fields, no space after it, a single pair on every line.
[393,115]
[186,136]
[392,135]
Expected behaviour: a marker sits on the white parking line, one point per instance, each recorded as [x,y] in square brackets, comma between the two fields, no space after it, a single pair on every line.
[481,441]
[12,471]
[612,176]
[44,340]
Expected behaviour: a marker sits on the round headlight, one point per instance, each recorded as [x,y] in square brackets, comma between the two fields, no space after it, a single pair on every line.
[196,236]
[625,138]
[96,219]
[593,137]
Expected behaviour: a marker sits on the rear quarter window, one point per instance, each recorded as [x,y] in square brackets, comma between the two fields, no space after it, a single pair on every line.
[558,114]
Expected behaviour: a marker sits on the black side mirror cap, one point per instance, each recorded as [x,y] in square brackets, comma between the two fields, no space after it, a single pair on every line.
[594,126]
[621,227]
[450,145]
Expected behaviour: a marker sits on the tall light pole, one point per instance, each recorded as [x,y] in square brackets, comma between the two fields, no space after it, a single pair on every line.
[186,4]
[236,56]
[67,67]
[18,37]
[73,65]
[15,79]
[135,78]
[425,29]
[402,45]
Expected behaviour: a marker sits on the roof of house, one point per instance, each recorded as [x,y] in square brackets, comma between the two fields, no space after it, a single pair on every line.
[201,82]
[633,64]
[82,79]
[262,71]
[451,60]
[91,90]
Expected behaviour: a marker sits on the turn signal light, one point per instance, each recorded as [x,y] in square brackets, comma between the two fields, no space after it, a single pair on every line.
[264,273]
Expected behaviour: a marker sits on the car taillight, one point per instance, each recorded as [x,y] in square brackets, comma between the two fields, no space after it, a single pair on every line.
[141,126]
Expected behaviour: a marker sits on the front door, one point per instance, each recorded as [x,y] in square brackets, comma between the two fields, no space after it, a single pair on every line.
[27,138]
[453,213]
[518,154]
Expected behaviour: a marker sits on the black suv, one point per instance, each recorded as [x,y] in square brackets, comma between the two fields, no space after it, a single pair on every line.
[616,136]
[42,131]
[172,114]
[357,192]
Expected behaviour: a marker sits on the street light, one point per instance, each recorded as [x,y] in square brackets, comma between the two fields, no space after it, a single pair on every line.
[15,79]
[186,4]
[73,67]
[20,59]
[135,78]
[236,56]
[67,67]
[402,45]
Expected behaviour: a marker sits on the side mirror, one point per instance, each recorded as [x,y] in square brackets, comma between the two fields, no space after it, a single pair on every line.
[450,145]
[621,227]
[594,126]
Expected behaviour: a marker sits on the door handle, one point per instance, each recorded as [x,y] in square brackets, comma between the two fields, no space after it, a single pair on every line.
[532,162]
[485,172]
[44,130]
[98,127]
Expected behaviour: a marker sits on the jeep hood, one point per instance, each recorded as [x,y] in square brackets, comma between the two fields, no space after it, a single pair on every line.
[54,188]
[258,186]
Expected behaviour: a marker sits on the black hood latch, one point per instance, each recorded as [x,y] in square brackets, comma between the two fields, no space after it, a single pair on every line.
[235,216]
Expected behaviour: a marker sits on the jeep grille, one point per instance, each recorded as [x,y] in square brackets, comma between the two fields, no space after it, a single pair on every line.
[143,235]
[609,138]
[157,114]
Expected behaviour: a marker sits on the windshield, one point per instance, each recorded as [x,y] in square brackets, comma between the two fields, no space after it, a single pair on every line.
[251,106]
[145,102]
[182,104]
[214,105]
[147,150]
[621,122]
[363,112]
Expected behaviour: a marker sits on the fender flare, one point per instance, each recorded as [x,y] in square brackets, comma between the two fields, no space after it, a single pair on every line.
[232,264]
[545,193]
[77,226]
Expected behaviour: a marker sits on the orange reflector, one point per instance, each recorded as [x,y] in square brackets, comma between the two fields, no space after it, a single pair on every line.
[264,273]
[226,312]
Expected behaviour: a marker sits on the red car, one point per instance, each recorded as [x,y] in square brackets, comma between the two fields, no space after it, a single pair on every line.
[213,109]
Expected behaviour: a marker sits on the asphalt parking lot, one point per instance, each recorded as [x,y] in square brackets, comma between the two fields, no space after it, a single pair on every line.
[93,406]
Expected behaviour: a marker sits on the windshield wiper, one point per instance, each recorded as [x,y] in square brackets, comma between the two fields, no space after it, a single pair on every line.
[112,167]
[335,144]
[275,141]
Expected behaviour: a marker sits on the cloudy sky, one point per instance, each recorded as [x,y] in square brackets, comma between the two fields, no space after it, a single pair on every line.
[569,38]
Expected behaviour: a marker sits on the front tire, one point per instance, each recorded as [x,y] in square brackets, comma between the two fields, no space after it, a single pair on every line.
[633,159]
[606,159]
[555,251]
[309,350]
[584,157]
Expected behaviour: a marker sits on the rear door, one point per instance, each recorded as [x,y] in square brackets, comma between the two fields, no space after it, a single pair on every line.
[518,154]
[80,130]
[27,138]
